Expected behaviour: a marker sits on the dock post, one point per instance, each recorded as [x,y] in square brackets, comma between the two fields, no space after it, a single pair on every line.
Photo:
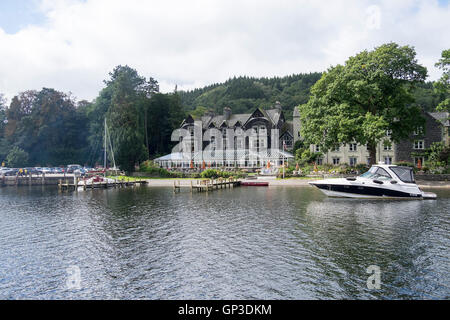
[84,187]
[29,179]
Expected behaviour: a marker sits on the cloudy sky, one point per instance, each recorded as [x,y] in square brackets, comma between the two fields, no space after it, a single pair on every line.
[71,45]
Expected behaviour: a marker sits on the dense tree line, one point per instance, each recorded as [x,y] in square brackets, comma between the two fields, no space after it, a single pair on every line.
[48,128]
[244,94]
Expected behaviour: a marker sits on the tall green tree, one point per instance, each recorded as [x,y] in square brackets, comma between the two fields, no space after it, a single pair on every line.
[361,100]
[442,86]
[125,115]
[165,115]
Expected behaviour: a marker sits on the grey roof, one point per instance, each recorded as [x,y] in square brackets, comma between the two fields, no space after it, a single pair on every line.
[442,117]
[287,127]
[273,115]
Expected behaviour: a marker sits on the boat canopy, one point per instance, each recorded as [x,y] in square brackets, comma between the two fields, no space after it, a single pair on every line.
[406,174]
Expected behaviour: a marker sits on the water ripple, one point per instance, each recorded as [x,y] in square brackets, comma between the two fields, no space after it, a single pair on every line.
[244,243]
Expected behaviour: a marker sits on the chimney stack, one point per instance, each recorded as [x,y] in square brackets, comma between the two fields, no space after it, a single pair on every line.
[227,113]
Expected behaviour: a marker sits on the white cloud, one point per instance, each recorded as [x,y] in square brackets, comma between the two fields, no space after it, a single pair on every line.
[195,43]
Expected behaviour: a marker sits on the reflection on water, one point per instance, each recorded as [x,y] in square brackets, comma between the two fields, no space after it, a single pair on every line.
[246,243]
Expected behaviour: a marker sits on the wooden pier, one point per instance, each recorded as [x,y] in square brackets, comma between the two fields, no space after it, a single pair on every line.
[75,186]
[207,185]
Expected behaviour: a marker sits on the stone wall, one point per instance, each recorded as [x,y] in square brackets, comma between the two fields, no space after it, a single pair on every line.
[432,177]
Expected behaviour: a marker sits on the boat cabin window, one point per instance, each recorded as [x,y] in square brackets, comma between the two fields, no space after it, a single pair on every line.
[377,173]
[383,174]
[404,173]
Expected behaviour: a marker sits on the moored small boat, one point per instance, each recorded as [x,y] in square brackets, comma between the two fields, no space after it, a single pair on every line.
[254,184]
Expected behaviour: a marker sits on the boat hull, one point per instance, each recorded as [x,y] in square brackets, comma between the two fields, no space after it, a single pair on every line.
[364,189]
[360,191]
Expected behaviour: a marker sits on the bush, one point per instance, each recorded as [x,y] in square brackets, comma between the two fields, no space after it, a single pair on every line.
[214,174]
[155,171]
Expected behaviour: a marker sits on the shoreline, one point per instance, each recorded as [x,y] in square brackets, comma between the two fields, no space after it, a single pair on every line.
[291,182]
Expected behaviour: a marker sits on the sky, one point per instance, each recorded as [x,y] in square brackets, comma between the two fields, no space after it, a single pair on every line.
[72,45]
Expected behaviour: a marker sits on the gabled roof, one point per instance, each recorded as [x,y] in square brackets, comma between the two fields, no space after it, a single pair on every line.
[208,121]
[442,117]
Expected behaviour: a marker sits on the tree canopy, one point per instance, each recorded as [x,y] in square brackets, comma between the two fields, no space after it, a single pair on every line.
[442,86]
[363,99]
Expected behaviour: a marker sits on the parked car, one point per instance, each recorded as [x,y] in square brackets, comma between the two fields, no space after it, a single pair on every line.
[72,167]
[10,172]
[31,171]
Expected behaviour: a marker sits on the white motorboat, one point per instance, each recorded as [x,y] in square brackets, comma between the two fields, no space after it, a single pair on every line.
[95,181]
[380,182]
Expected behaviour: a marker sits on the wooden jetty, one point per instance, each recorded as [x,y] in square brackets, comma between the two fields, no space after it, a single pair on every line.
[75,186]
[207,185]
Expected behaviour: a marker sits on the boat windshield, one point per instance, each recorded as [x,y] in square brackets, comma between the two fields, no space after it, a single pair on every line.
[404,173]
[377,173]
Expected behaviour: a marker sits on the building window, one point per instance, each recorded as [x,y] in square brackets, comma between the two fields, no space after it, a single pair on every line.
[336,161]
[418,131]
[419,145]
[388,160]
[353,161]
[419,159]
[261,143]
[388,133]
[319,161]
[353,147]
[387,147]
[337,149]
[255,130]
[317,148]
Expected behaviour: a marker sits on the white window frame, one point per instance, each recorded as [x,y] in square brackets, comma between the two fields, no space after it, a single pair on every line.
[353,147]
[336,161]
[389,160]
[422,159]
[317,148]
[419,145]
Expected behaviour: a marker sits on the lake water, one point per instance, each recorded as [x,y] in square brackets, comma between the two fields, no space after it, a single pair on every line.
[243,243]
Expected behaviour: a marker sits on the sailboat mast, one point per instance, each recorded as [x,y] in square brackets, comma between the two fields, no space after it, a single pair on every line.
[104,166]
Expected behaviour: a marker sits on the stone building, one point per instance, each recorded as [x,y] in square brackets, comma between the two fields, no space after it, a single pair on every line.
[238,140]
[436,130]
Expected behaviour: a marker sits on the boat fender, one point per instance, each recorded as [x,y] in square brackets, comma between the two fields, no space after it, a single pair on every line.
[351,179]
[394,182]
[378,181]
